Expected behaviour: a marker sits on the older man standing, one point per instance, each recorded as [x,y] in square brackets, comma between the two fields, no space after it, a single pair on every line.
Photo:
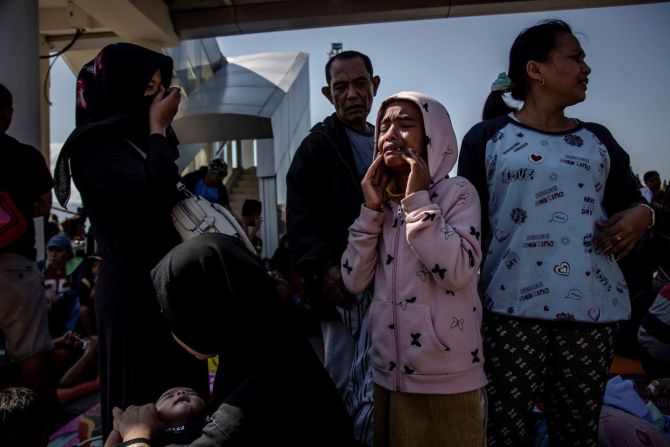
[324,198]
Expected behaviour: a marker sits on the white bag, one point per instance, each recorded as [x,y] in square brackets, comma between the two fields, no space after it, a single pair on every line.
[194,215]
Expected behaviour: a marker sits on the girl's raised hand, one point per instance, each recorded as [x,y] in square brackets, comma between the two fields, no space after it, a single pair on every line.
[373,183]
[419,175]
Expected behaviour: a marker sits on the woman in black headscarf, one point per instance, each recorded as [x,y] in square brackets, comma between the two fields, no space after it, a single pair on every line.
[270,387]
[122,156]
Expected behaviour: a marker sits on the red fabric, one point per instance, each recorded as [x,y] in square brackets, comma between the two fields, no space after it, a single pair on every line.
[66,395]
[12,222]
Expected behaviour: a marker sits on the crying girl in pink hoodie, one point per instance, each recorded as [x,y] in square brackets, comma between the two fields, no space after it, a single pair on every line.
[417,238]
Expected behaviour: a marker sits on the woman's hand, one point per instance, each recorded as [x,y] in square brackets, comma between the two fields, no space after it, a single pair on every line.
[419,174]
[163,109]
[137,422]
[373,183]
[620,233]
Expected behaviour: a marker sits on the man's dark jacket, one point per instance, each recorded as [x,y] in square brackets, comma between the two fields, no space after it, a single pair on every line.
[324,196]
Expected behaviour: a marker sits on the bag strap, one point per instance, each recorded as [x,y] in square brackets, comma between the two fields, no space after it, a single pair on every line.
[180,186]
[183,190]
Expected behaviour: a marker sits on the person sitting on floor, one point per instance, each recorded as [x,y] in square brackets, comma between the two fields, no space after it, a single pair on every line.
[23,418]
[251,222]
[270,387]
[62,273]
[182,413]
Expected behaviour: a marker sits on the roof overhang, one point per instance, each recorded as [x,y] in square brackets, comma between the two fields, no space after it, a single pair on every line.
[163,23]
[213,18]
[240,99]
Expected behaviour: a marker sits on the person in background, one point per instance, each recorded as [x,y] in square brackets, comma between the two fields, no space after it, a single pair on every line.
[417,242]
[52,227]
[324,196]
[651,191]
[207,182]
[122,159]
[251,222]
[560,206]
[653,336]
[25,177]
[75,358]
[87,295]
[62,273]
[24,418]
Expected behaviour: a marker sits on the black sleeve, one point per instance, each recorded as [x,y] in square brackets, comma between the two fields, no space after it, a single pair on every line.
[621,190]
[114,171]
[308,247]
[189,181]
[471,165]
[40,177]
[224,429]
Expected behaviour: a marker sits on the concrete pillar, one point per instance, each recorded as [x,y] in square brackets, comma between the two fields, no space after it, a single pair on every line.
[228,148]
[19,46]
[45,87]
[237,156]
[268,197]
[247,154]
[267,189]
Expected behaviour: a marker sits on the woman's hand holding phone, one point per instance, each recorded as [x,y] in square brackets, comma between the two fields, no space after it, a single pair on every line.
[163,109]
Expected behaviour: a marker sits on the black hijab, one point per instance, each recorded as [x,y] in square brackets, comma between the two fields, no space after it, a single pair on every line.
[218,298]
[110,92]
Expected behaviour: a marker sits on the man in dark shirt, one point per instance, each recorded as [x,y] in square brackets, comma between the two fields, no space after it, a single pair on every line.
[23,306]
[207,182]
[324,198]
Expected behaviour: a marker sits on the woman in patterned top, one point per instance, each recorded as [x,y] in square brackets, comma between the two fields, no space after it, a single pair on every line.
[559,208]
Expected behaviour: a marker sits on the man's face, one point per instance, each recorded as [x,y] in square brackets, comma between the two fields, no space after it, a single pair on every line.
[213,178]
[653,183]
[351,91]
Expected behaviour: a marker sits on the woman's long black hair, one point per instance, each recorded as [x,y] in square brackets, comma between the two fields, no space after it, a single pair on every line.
[532,44]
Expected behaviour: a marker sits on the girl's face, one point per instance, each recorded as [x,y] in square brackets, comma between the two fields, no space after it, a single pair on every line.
[565,72]
[400,129]
[154,84]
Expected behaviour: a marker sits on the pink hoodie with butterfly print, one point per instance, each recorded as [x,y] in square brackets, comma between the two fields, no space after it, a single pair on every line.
[423,255]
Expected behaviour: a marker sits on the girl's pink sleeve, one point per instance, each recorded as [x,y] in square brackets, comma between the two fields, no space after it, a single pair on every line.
[445,235]
[360,258]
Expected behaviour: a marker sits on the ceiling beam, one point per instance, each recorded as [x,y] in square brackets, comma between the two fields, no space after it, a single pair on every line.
[139,21]
[201,18]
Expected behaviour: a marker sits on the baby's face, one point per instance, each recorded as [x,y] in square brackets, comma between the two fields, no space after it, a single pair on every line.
[180,405]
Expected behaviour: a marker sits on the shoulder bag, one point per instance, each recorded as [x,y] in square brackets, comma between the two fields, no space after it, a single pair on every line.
[193,215]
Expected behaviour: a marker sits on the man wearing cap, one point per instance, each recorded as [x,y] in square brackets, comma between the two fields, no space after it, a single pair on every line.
[62,273]
[24,175]
[207,182]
